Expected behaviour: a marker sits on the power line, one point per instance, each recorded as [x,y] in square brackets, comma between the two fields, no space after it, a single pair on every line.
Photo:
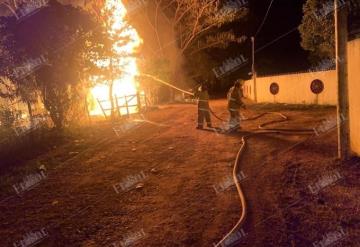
[265,17]
[272,42]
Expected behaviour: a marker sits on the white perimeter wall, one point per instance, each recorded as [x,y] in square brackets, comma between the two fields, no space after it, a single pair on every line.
[294,88]
[354,93]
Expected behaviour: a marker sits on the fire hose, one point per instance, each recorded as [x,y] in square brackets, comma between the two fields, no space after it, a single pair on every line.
[261,130]
[180,90]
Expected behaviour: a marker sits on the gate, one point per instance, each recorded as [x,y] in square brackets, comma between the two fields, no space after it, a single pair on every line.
[124,105]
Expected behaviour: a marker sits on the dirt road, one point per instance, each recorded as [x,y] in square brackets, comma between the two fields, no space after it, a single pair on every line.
[183,197]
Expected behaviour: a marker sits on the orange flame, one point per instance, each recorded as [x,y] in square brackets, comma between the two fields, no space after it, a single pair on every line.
[126,84]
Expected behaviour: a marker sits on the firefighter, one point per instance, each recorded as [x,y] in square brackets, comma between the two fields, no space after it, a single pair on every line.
[203,107]
[234,103]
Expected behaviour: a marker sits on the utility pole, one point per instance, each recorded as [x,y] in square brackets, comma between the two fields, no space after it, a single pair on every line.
[341,35]
[253,67]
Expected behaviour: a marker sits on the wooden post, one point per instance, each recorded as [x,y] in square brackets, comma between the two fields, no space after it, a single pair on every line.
[111,88]
[341,35]
[117,106]
[87,109]
[138,101]
[253,67]
[127,106]
[102,109]
[146,99]
[147,102]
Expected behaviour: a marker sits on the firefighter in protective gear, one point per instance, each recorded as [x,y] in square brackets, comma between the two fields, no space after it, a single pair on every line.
[234,104]
[203,107]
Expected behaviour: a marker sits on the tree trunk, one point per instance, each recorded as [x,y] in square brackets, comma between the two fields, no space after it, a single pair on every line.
[87,109]
[57,119]
[57,116]
[30,113]
[111,98]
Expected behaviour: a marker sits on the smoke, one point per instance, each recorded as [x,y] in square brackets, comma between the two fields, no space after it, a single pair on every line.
[160,41]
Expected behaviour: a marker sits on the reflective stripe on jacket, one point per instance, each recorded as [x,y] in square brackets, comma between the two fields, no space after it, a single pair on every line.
[203,99]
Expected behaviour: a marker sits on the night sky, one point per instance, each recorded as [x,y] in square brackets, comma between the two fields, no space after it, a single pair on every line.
[285,54]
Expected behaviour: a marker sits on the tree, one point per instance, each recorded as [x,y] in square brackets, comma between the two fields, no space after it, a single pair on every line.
[110,56]
[198,24]
[185,28]
[49,48]
[317,30]
[159,68]
[10,85]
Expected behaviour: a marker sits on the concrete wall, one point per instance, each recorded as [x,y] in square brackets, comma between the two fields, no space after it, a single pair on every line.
[294,88]
[354,93]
